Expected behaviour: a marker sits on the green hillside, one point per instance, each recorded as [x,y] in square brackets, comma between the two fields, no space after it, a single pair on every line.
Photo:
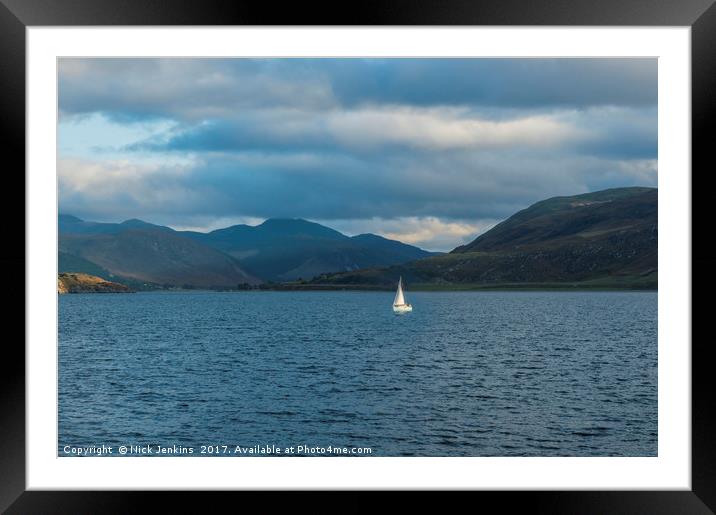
[605,239]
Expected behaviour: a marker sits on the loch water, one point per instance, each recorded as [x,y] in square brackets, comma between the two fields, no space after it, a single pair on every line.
[464,374]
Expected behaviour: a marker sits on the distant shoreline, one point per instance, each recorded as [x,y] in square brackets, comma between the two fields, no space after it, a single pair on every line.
[416,288]
[441,288]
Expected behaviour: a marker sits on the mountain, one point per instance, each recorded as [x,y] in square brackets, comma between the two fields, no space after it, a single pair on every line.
[145,253]
[606,238]
[289,249]
[136,252]
[569,220]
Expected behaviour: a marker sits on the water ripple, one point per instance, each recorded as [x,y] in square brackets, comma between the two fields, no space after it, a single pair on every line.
[465,374]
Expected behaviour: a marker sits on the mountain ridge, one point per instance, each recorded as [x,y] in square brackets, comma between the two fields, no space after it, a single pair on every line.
[282,249]
[275,250]
[607,238]
[604,238]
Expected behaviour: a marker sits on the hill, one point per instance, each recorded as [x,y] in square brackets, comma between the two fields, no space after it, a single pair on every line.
[143,254]
[601,239]
[289,249]
[569,220]
[147,254]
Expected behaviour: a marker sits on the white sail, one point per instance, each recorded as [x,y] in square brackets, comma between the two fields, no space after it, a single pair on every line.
[399,298]
[399,304]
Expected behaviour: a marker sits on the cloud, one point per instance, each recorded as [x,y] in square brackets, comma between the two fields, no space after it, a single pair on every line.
[429,233]
[523,83]
[469,185]
[194,89]
[184,89]
[429,151]
[113,190]
[444,129]
[365,130]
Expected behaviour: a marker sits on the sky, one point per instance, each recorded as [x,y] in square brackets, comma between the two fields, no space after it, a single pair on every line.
[431,152]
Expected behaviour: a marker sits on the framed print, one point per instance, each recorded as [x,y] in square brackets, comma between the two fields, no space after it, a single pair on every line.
[446,247]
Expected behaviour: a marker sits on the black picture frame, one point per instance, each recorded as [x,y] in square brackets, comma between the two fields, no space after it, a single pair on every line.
[17,15]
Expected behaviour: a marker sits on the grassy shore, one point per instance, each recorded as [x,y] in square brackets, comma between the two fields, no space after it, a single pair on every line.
[615,283]
[606,284]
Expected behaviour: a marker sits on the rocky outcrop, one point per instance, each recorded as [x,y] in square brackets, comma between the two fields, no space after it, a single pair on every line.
[70,282]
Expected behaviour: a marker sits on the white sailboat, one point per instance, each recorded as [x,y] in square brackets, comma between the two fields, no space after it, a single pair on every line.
[399,304]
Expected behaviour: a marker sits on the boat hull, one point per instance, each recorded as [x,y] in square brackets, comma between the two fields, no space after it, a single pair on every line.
[404,308]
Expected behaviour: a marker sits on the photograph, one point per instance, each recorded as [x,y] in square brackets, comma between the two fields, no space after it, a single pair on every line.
[439,246]
[357,257]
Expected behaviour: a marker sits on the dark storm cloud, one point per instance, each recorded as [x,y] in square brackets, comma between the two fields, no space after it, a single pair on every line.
[200,88]
[498,82]
[186,89]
